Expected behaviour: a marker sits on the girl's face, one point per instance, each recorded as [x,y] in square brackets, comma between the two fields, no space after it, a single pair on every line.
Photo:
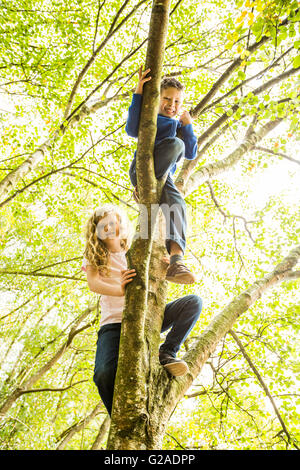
[108,227]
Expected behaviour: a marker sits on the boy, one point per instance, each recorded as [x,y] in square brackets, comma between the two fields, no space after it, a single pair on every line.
[168,150]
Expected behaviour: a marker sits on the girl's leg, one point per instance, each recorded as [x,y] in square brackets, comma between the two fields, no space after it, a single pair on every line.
[106,362]
[181,316]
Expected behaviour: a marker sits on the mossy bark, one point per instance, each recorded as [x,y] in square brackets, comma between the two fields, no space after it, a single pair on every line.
[137,363]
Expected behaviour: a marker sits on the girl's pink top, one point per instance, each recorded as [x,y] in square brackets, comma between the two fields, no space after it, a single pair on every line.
[112,307]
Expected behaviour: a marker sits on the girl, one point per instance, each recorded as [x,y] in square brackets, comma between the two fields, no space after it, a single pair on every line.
[105,264]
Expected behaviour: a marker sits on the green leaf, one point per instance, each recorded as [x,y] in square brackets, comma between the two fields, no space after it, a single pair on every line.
[296,62]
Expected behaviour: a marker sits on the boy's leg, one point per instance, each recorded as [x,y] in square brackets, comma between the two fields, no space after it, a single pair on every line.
[174,209]
[106,362]
[132,173]
[166,153]
[181,316]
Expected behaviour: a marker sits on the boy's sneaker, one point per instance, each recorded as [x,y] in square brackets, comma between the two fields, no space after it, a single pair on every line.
[176,367]
[180,274]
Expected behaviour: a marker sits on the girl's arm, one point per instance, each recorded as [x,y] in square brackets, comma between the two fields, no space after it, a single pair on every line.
[113,287]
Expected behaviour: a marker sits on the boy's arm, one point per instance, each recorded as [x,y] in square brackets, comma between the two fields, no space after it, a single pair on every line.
[188,136]
[133,119]
[190,141]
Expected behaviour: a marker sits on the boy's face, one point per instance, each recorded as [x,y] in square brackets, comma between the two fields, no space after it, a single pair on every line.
[170,102]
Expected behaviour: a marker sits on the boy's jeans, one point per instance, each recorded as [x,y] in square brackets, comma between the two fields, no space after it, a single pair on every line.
[180,315]
[167,152]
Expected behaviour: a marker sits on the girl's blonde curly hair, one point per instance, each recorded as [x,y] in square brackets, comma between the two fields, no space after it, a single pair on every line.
[96,252]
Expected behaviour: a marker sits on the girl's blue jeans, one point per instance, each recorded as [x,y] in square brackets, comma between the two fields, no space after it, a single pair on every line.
[166,153]
[180,317]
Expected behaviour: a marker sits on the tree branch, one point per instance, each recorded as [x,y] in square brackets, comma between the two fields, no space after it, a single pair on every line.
[236,63]
[207,342]
[93,57]
[38,274]
[67,435]
[213,170]
[15,176]
[46,367]
[100,436]
[49,389]
[189,165]
[276,154]
[244,82]
[263,385]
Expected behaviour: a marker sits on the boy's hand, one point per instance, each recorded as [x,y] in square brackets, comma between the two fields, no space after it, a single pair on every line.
[142,79]
[185,118]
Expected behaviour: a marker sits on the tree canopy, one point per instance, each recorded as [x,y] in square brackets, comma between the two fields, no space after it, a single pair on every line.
[68,71]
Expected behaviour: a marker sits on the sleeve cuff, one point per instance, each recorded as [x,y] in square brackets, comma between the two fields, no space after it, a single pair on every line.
[188,129]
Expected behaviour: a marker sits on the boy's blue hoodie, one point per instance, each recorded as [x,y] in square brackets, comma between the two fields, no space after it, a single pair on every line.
[166,127]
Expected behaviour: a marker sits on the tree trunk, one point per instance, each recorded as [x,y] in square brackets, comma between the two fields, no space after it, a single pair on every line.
[139,343]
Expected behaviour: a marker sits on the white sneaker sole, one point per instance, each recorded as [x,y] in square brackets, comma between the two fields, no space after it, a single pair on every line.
[177,368]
